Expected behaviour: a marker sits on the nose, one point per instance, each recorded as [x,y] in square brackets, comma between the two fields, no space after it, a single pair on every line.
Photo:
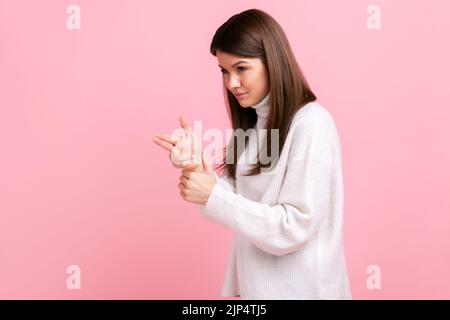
[233,82]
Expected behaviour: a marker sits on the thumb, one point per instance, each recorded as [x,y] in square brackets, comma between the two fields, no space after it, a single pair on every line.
[185,125]
[206,165]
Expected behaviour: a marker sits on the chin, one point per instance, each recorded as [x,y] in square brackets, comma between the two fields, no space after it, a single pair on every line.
[245,104]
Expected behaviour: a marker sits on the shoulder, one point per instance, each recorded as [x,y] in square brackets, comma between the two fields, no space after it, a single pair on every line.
[312,114]
[313,131]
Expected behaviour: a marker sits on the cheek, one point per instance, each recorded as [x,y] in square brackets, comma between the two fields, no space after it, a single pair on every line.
[249,80]
[262,73]
[262,79]
[254,80]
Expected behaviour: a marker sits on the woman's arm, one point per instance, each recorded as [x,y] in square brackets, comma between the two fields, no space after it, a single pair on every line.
[307,195]
[305,198]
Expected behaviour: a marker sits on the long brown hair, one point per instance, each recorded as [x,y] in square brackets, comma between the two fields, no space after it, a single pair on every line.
[255,34]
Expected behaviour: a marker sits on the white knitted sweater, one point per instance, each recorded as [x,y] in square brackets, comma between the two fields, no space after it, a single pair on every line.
[288,226]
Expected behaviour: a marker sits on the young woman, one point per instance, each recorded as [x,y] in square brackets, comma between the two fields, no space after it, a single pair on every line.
[287,220]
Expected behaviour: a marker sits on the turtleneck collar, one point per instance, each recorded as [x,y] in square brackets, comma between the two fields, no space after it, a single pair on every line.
[262,108]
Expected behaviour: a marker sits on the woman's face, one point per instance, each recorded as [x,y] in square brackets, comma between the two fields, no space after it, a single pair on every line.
[244,75]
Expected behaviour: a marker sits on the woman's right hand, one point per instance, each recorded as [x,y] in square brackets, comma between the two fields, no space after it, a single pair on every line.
[181,149]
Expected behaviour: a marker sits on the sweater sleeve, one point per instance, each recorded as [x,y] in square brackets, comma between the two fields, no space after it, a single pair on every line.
[226,181]
[306,197]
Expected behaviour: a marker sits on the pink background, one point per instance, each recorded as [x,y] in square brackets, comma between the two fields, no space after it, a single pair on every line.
[82,182]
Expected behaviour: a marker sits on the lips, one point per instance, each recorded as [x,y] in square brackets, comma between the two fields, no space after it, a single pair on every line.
[240,94]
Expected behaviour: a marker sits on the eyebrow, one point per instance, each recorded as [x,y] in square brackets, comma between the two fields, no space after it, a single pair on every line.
[234,65]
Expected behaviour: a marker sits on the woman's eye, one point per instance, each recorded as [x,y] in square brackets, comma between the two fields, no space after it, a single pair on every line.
[225,71]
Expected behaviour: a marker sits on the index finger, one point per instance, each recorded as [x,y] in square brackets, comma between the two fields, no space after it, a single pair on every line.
[164,144]
[170,139]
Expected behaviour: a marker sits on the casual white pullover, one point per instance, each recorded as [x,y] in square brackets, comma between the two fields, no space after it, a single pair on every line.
[288,226]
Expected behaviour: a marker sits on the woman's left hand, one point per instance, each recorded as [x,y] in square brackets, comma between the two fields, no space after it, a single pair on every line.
[196,186]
